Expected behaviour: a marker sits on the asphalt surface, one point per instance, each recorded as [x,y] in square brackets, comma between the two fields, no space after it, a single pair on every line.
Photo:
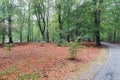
[111,70]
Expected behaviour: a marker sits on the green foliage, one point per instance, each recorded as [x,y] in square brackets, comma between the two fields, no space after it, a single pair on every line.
[42,43]
[3,30]
[70,17]
[59,42]
[57,39]
[35,76]
[9,45]
[9,71]
[75,48]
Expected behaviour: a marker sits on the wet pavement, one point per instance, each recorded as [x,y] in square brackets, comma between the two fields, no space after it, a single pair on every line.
[111,70]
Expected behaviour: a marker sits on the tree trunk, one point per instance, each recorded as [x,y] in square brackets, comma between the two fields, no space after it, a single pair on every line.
[60,21]
[97,14]
[21,34]
[10,30]
[43,37]
[32,34]
[114,39]
[68,38]
[47,20]
[47,32]
[3,39]
[3,35]
[98,38]
[28,35]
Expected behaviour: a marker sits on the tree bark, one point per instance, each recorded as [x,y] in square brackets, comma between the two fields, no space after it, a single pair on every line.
[97,14]
[21,40]
[10,30]
[60,22]
[3,35]
[47,20]
[28,35]
[114,39]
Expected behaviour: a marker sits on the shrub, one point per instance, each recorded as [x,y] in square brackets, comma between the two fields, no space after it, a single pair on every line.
[74,49]
[59,43]
[42,43]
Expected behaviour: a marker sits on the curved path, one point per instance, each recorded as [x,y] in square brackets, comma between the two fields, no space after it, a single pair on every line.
[111,70]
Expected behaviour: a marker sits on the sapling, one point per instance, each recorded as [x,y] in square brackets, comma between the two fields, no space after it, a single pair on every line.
[75,48]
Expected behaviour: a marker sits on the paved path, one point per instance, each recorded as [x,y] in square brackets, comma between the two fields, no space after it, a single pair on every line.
[111,70]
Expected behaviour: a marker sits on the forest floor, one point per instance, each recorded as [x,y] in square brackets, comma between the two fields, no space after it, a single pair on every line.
[35,61]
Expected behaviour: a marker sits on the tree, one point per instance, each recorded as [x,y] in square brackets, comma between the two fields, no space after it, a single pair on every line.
[2,21]
[97,14]
[10,8]
[47,18]
[20,11]
[39,10]
[58,5]
[29,25]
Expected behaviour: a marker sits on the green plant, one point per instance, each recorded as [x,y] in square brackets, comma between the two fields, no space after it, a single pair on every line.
[35,76]
[42,43]
[74,49]
[59,43]
[7,44]
[8,72]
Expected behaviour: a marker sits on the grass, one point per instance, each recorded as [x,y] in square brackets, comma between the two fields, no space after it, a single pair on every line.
[35,76]
[103,56]
[9,71]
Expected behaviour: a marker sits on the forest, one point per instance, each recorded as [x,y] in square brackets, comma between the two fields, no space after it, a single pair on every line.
[57,20]
[31,29]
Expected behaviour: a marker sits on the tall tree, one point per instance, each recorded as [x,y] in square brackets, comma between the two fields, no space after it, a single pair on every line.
[29,22]
[21,17]
[47,19]
[2,21]
[59,4]
[10,8]
[39,10]
[97,14]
